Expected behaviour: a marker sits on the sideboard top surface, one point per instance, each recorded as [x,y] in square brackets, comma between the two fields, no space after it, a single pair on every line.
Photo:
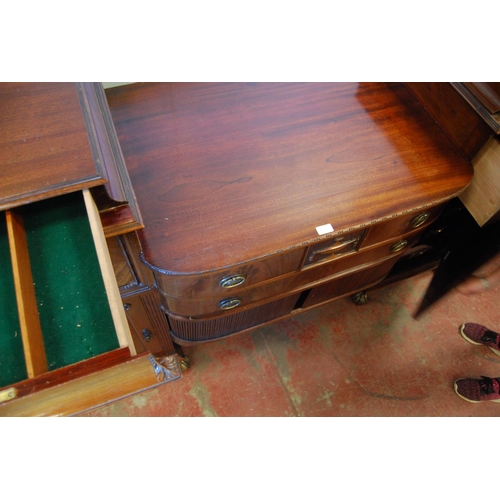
[230,172]
[44,145]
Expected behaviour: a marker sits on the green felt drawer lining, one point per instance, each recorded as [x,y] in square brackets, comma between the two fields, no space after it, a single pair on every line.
[72,303]
[12,366]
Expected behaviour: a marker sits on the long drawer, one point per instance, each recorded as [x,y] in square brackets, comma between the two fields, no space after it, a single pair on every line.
[192,330]
[256,280]
[219,281]
[238,298]
[67,345]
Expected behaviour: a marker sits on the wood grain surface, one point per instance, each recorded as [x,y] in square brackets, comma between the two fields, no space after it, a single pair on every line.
[44,146]
[29,320]
[451,111]
[88,390]
[229,172]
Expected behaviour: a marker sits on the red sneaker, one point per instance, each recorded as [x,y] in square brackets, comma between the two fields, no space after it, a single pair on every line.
[480,335]
[477,391]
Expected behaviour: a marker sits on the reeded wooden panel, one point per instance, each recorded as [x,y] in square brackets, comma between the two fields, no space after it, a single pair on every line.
[186,330]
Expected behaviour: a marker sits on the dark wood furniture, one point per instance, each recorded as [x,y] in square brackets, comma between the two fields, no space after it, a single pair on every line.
[212,209]
[469,113]
[262,200]
[468,234]
[67,346]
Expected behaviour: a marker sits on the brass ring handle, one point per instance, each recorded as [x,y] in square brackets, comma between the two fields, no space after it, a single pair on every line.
[397,247]
[420,219]
[232,281]
[229,303]
[333,248]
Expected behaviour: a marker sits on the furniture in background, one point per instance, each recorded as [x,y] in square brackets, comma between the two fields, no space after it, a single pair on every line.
[469,113]
[468,234]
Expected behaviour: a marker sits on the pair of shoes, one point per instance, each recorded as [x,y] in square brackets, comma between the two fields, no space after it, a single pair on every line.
[484,389]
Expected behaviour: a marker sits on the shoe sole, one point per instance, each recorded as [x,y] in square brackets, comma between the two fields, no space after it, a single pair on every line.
[471,400]
[496,351]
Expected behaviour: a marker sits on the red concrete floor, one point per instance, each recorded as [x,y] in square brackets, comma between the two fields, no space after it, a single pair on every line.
[337,360]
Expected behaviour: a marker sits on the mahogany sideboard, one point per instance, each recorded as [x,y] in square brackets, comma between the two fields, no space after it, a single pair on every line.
[198,211]
[65,341]
[260,201]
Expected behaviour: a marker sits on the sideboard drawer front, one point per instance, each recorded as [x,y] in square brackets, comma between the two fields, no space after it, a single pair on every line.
[188,330]
[238,299]
[395,226]
[235,278]
[349,284]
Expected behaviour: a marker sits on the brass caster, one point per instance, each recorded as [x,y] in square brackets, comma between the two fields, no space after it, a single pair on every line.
[359,298]
[185,363]
[183,358]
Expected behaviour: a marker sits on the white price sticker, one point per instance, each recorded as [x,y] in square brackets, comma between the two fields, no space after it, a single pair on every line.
[324,229]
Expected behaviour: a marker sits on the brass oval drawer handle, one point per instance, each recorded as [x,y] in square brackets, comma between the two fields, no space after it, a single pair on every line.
[229,303]
[333,248]
[397,247]
[419,219]
[232,281]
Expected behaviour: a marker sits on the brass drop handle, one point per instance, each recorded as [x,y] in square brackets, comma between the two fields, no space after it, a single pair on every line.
[419,219]
[397,247]
[333,248]
[232,281]
[229,303]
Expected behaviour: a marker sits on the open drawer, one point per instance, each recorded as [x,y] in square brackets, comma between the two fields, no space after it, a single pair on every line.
[65,345]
